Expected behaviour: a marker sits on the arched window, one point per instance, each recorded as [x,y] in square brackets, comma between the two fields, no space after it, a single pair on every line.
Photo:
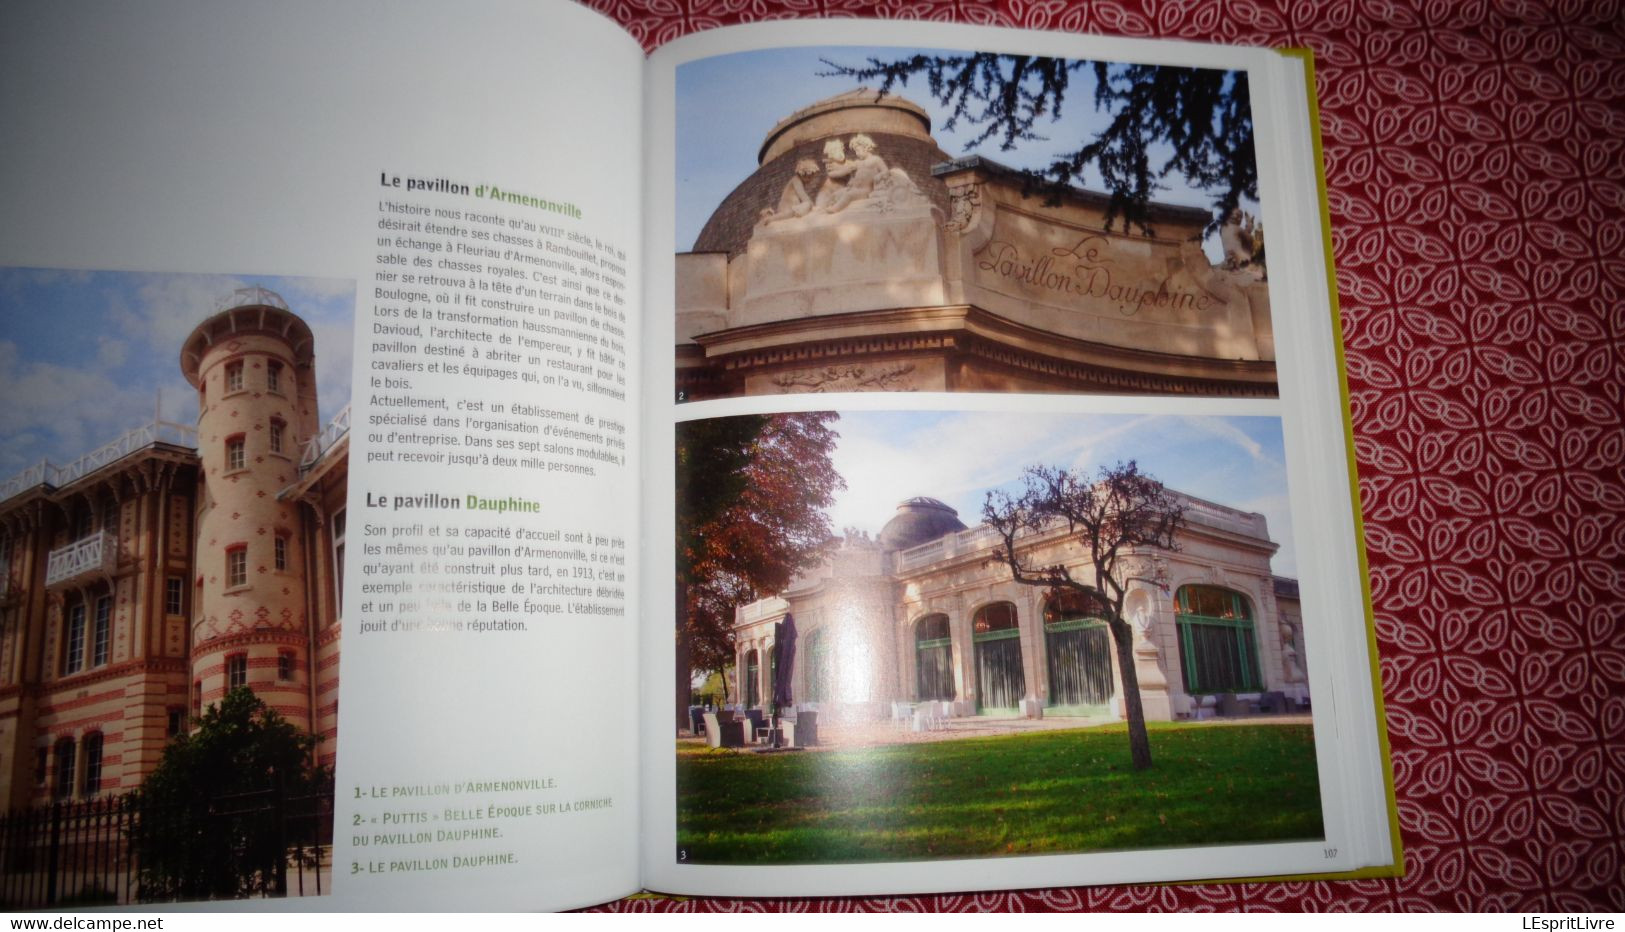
[64,769]
[1216,645]
[753,680]
[933,659]
[93,764]
[1000,682]
[1079,651]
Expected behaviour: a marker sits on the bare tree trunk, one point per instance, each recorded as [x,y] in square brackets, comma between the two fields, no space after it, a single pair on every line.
[1139,743]
[685,672]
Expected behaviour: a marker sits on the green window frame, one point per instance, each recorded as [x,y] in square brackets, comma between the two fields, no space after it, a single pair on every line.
[1001,683]
[1218,649]
[1078,654]
[933,659]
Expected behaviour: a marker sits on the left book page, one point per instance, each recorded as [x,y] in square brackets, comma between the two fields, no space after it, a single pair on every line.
[314,347]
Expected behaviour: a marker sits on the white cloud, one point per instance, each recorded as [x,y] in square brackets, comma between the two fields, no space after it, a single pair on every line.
[1229,433]
[68,410]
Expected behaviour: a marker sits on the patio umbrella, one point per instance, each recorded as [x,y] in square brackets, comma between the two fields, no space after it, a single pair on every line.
[784,645]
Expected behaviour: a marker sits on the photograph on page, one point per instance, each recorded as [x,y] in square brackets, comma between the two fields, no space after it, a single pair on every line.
[900,219]
[908,635]
[172,531]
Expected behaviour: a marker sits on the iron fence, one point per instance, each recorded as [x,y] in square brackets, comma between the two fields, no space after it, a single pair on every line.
[87,853]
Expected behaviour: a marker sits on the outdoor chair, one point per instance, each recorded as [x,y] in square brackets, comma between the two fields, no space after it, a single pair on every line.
[755,721]
[801,731]
[1204,708]
[928,716]
[902,714]
[720,734]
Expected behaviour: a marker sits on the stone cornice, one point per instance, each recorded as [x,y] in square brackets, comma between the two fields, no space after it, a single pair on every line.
[969,331]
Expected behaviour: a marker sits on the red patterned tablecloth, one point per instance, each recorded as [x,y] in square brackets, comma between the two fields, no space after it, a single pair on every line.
[1475,159]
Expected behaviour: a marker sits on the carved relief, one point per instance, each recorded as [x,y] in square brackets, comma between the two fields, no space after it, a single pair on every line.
[870,184]
[853,186]
[794,202]
[897,377]
[964,200]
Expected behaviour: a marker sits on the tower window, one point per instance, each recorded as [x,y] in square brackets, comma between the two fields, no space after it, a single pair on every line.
[284,665]
[234,376]
[279,430]
[236,457]
[237,567]
[281,545]
[174,596]
[236,671]
[273,377]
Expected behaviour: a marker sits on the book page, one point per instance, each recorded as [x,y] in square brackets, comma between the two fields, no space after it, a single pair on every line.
[1010,527]
[319,347]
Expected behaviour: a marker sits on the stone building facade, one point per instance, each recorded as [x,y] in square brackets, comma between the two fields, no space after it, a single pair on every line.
[859,256]
[141,582]
[920,614]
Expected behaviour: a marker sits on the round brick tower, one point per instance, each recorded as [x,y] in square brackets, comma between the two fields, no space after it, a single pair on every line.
[252,364]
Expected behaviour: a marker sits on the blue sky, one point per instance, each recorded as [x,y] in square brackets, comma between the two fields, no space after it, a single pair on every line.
[727,104]
[959,456]
[84,356]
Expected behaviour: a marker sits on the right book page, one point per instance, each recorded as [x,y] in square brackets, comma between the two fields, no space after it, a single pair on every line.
[1010,521]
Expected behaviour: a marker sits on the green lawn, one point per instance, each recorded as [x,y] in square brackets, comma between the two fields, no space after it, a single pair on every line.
[1046,792]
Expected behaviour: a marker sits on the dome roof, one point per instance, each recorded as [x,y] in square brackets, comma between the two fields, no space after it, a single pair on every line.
[919,521]
[251,310]
[899,127]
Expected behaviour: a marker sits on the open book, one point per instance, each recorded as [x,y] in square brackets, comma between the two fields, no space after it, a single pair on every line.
[739,470]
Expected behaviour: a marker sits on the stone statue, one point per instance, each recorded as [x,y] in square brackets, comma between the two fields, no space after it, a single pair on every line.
[794,202]
[1242,238]
[869,179]
[1291,650]
[1142,621]
[835,174]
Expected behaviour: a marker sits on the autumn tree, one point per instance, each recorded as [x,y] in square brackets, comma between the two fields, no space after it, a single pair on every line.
[1120,518]
[752,493]
[1160,121]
